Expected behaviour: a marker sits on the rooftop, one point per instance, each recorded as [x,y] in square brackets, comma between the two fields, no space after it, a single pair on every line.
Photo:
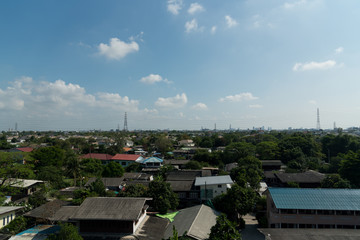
[110,208]
[316,199]
[305,177]
[8,209]
[126,157]
[201,181]
[99,156]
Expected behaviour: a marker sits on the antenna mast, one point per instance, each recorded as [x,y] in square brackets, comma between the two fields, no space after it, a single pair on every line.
[125,123]
[318,120]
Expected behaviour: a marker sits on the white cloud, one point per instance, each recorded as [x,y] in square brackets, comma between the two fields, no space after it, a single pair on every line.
[153,111]
[117,49]
[153,78]
[255,106]
[172,102]
[238,97]
[230,22]
[339,50]
[191,26]
[213,29]
[174,6]
[314,65]
[313,102]
[291,5]
[200,106]
[116,102]
[195,8]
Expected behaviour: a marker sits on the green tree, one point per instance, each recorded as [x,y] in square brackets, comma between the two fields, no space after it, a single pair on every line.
[236,201]
[163,144]
[113,169]
[67,231]
[224,229]
[136,190]
[193,165]
[267,150]
[73,166]
[249,171]
[20,223]
[334,181]
[238,150]
[350,167]
[91,167]
[48,156]
[52,174]
[163,196]
[98,187]
[81,194]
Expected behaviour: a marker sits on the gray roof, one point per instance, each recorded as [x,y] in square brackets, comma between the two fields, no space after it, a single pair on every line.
[176,162]
[152,229]
[271,162]
[183,175]
[9,209]
[225,179]
[110,208]
[316,198]
[313,234]
[195,221]
[21,183]
[64,213]
[47,210]
[181,186]
[305,177]
[108,182]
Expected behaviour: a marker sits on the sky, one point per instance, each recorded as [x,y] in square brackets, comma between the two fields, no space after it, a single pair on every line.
[179,64]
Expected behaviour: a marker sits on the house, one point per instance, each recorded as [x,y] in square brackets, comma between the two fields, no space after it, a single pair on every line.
[25,187]
[186,143]
[126,159]
[195,222]
[47,211]
[313,208]
[104,158]
[177,164]
[213,186]
[117,184]
[151,162]
[271,165]
[308,179]
[111,216]
[7,214]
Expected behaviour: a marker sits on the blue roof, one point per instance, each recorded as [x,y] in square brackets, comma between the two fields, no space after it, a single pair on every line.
[316,199]
[153,159]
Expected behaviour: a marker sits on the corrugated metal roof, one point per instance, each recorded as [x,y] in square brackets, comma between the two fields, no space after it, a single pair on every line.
[153,159]
[110,208]
[9,209]
[201,181]
[316,199]
[126,157]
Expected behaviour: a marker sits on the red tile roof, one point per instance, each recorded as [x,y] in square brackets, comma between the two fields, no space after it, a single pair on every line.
[99,156]
[126,157]
[25,149]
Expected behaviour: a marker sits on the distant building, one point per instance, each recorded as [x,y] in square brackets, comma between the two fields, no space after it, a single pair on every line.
[313,208]
[104,158]
[126,159]
[151,162]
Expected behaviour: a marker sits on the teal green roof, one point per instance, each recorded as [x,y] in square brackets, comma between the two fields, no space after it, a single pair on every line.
[316,199]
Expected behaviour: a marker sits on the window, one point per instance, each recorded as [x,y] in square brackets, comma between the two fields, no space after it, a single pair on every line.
[4,221]
[123,163]
[219,186]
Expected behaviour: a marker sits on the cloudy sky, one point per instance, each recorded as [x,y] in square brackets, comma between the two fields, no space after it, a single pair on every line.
[179,64]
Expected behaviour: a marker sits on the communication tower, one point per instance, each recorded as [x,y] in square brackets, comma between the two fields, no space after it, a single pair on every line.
[125,123]
[318,120]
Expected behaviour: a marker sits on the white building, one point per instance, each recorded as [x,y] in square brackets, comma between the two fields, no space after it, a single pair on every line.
[7,214]
[213,186]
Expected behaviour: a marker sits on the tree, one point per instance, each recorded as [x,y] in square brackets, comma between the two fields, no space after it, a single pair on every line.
[163,144]
[224,229]
[136,190]
[48,156]
[98,187]
[334,181]
[235,151]
[52,174]
[163,196]
[81,194]
[267,150]
[193,165]
[72,165]
[91,167]
[249,171]
[350,167]
[113,169]
[15,226]
[236,201]
[67,231]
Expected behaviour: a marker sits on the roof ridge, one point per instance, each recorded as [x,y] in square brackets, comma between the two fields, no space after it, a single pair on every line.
[195,218]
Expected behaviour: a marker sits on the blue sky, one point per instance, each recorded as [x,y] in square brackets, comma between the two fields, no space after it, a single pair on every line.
[179,64]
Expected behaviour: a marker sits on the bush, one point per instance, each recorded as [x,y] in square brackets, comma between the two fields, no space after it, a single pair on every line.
[17,225]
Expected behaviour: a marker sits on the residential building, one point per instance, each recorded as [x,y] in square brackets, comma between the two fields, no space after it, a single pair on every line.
[308,179]
[126,159]
[213,186]
[7,214]
[151,162]
[104,158]
[313,208]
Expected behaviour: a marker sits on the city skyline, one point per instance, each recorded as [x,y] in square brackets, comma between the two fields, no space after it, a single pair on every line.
[178,64]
